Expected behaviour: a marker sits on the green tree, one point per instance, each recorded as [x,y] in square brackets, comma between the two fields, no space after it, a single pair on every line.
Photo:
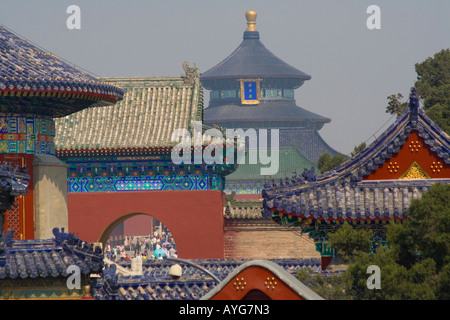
[415,265]
[348,241]
[395,105]
[358,149]
[433,88]
[440,114]
[426,232]
[397,281]
[443,284]
[433,76]
[329,288]
[327,162]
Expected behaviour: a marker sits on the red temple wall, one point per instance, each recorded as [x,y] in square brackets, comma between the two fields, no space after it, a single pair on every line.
[195,218]
[138,226]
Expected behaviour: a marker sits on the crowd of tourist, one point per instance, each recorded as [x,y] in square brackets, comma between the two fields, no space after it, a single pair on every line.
[158,245]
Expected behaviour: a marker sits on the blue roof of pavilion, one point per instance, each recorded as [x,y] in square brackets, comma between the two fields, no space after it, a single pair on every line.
[252,59]
[341,194]
[29,73]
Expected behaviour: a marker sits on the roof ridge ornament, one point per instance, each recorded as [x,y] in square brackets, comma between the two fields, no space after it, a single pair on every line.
[192,73]
[414,102]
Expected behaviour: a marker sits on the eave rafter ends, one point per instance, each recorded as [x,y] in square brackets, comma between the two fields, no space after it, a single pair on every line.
[346,192]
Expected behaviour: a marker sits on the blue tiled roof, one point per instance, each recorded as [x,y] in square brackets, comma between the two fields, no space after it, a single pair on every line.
[252,59]
[342,194]
[47,257]
[28,72]
[265,111]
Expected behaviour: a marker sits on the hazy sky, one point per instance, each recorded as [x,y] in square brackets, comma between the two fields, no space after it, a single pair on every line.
[353,68]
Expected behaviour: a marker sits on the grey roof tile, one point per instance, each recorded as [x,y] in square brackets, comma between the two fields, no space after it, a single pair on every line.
[152,108]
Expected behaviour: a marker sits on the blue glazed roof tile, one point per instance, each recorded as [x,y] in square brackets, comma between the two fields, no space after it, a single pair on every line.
[32,75]
[47,257]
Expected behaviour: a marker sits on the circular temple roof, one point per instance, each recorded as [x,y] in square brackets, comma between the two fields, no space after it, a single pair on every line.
[34,81]
[252,59]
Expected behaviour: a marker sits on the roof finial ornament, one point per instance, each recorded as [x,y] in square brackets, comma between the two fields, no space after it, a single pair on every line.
[250,15]
[192,73]
[413,101]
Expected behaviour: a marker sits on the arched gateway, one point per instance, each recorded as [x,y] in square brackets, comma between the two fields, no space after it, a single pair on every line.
[195,218]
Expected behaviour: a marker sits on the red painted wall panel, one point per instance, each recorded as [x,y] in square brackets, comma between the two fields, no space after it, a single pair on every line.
[138,225]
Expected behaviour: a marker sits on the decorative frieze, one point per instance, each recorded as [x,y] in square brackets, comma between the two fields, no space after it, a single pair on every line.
[26,134]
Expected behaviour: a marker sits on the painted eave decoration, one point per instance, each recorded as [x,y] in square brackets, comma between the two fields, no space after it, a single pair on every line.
[379,183]
[35,81]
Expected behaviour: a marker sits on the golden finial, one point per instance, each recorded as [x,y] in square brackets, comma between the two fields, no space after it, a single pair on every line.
[251,20]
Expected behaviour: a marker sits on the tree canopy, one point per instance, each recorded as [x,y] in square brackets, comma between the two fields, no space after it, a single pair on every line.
[349,241]
[433,88]
[414,266]
[327,162]
[417,263]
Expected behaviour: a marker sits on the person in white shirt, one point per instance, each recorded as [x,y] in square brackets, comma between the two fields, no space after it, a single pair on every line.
[172,253]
